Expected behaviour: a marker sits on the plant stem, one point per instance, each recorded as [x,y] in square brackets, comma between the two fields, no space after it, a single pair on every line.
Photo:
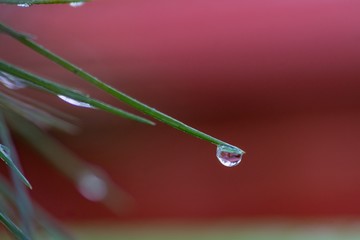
[58,89]
[107,88]
[12,227]
[22,199]
[50,224]
[14,168]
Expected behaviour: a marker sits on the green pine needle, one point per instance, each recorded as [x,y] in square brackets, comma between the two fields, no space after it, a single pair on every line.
[23,202]
[24,39]
[57,89]
[48,223]
[12,227]
[6,157]
[11,164]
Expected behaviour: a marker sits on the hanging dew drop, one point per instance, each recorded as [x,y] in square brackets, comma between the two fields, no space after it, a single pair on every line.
[75,102]
[24,5]
[11,82]
[228,155]
[92,187]
[5,150]
[76,4]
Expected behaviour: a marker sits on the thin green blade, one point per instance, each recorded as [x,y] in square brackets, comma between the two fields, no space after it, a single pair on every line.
[5,157]
[60,90]
[24,39]
[12,227]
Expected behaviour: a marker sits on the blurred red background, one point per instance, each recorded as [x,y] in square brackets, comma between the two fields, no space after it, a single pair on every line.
[279,79]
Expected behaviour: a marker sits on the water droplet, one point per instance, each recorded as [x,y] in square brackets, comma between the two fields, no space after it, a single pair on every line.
[24,5]
[76,4]
[92,187]
[5,150]
[11,81]
[228,155]
[75,102]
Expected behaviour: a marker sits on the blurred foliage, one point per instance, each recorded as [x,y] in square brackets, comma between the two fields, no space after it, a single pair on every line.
[30,120]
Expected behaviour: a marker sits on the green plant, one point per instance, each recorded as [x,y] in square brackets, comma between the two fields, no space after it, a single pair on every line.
[24,114]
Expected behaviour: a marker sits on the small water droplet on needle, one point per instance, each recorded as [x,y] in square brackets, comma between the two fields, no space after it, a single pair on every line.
[76,4]
[75,102]
[24,5]
[228,155]
[11,82]
[5,150]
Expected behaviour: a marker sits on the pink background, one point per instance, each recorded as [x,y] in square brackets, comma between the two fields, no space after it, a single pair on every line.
[279,79]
